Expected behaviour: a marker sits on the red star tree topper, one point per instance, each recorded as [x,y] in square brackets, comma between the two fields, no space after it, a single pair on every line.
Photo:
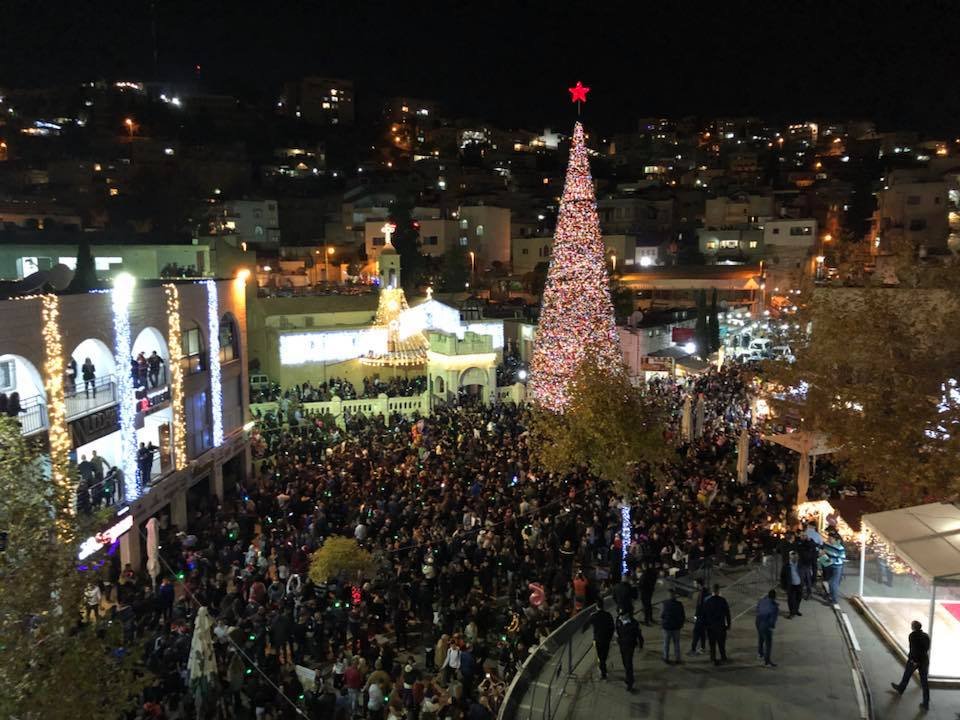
[576,315]
[578,93]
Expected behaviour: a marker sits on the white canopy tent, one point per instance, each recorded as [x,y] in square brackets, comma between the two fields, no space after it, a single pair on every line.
[924,541]
[809,445]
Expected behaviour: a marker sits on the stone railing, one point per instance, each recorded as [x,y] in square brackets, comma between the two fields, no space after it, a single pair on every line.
[368,407]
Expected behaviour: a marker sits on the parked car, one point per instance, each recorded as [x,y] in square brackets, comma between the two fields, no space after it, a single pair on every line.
[783,352]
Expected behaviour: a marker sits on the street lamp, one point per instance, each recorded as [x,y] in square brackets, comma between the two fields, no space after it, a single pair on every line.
[473,263]
[327,259]
[130,126]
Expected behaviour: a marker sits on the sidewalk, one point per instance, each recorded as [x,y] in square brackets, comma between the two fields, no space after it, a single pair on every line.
[883,667]
[813,680]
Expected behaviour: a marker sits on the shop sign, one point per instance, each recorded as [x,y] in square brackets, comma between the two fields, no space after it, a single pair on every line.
[105,538]
[95,425]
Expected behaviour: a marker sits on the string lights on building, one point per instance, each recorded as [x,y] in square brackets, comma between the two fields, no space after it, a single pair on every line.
[576,318]
[60,443]
[121,296]
[216,389]
[175,352]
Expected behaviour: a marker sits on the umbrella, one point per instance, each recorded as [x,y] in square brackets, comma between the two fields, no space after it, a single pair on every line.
[743,456]
[686,421]
[153,550]
[202,666]
[698,424]
[803,478]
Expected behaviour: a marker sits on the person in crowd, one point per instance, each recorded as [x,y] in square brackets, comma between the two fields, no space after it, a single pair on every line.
[716,619]
[145,461]
[918,661]
[13,405]
[767,612]
[838,558]
[141,370]
[672,618]
[648,583]
[629,639]
[603,627]
[154,365]
[792,583]
[89,373]
[91,602]
[71,377]
[701,593]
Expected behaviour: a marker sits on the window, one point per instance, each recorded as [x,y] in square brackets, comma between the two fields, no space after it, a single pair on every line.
[378,241]
[103,263]
[801,231]
[271,207]
[199,438]
[918,224]
[913,199]
[8,376]
[729,244]
[711,245]
[525,251]
[776,231]
[430,240]
[308,321]
[258,230]
[479,230]
[753,244]
[193,360]
[464,224]
[257,213]
[229,349]
[463,241]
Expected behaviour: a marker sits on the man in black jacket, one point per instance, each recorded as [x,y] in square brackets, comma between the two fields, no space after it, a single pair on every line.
[648,583]
[699,629]
[602,624]
[918,659]
[672,618]
[629,637]
[716,619]
[624,593]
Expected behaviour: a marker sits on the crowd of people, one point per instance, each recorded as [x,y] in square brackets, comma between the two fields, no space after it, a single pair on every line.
[307,392]
[479,557]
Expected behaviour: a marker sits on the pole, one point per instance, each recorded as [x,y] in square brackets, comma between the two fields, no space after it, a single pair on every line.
[863,556]
[933,607]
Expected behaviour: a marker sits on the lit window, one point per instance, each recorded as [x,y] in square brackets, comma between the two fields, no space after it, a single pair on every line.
[464,224]
[463,242]
[104,263]
[479,230]
[753,244]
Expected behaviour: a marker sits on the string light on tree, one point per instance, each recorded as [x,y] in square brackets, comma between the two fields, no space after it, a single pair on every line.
[175,352]
[60,444]
[121,296]
[576,317]
[216,389]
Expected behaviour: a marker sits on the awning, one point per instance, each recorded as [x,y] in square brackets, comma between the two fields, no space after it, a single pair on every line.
[925,536]
[814,443]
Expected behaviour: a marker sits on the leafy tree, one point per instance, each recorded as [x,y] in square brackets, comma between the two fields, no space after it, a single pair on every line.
[608,427]
[701,332]
[85,274]
[456,270]
[51,666]
[341,555]
[878,376]
[406,240]
[714,323]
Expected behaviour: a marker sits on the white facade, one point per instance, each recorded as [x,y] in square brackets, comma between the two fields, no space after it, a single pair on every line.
[487,230]
[252,221]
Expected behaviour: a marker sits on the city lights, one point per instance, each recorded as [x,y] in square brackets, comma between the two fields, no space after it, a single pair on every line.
[216,388]
[121,296]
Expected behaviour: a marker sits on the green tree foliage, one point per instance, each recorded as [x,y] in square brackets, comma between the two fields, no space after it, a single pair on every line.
[341,555]
[714,323]
[701,332]
[51,666]
[456,270]
[406,240]
[875,377]
[608,427]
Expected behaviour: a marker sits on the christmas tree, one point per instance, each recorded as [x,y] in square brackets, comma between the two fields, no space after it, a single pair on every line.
[576,316]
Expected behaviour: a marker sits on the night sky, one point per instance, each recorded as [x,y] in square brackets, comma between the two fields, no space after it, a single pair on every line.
[510,62]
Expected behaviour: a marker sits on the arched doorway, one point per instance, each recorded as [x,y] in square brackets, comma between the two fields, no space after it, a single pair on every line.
[92,385]
[473,384]
[21,393]
[153,345]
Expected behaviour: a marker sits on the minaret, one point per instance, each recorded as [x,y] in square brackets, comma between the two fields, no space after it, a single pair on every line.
[388,263]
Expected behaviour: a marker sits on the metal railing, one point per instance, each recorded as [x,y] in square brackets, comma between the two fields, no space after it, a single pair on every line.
[83,400]
[33,415]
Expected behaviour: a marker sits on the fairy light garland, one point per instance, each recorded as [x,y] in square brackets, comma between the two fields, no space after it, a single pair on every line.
[121,296]
[626,535]
[216,388]
[60,443]
[175,353]
[576,317]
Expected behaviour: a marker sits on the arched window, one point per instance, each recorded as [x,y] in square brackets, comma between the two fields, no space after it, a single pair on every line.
[194,360]
[229,340]
[479,230]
